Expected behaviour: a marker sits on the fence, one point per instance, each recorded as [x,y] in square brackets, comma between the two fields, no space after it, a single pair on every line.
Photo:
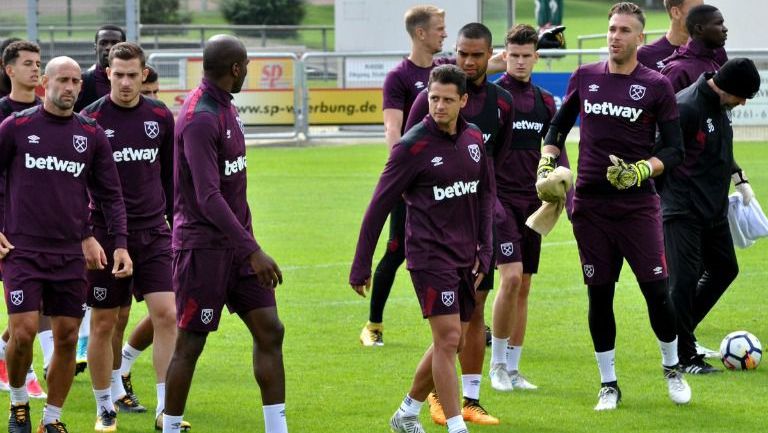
[332,95]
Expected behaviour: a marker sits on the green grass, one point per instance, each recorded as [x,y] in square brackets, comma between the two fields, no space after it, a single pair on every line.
[307,205]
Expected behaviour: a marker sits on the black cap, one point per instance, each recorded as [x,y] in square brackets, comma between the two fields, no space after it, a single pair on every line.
[739,77]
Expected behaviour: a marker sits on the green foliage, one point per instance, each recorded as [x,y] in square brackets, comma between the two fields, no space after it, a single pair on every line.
[255,12]
[163,12]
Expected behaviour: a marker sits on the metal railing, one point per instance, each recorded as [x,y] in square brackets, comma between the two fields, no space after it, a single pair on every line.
[155,30]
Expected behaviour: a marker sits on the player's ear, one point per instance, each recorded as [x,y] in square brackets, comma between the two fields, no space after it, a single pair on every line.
[463,100]
[144,73]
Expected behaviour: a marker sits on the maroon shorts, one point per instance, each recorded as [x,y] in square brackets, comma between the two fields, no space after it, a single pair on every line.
[54,281]
[516,242]
[206,279]
[608,230]
[450,291]
[150,251]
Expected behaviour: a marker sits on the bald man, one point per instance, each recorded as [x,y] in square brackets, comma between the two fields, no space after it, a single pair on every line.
[216,258]
[46,244]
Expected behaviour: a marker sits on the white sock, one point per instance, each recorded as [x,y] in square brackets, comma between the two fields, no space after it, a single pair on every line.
[117,389]
[410,406]
[470,384]
[30,375]
[85,325]
[498,349]
[46,343]
[669,353]
[456,424]
[103,401]
[129,357]
[3,343]
[160,392]
[513,357]
[274,418]
[51,414]
[606,363]
[172,424]
[19,395]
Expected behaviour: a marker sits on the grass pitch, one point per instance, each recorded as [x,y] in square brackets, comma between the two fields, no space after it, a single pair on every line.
[307,205]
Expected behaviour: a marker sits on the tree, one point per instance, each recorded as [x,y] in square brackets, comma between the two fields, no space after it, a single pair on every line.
[288,12]
[163,12]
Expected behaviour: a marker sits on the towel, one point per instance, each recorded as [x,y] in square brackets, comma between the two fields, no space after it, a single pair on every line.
[747,223]
[551,191]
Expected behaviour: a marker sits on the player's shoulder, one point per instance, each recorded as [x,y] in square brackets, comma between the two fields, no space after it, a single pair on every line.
[202,103]
[27,113]
[473,132]
[417,138]
[596,68]
[85,121]
[504,99]
[97,105]
[157,108]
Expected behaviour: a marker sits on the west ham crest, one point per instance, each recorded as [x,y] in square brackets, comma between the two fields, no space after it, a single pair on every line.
[100,293]
[636,92]
[589,270]
[151,128]
[474,152]
[206,315]
[17,297]
[80,143]
[507,248]
[447,298]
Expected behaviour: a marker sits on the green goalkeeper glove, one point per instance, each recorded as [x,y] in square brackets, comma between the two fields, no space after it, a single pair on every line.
[546,165]
[623,175]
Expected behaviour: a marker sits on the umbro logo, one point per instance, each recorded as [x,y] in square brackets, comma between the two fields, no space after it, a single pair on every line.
[110,133]
[438,160]
[229,133]
[419,84]
[594,87]
[33,139]
[658,270]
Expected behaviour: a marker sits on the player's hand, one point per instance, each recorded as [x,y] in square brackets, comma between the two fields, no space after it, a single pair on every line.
[5,246]
[123,267]
[547,164]
[552,38]
[362,288]
[741,183]
[476,272]
[623,175]
[95,257]
[266,269]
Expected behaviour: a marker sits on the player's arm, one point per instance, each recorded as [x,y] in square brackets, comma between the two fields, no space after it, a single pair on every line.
[394,180]
[104,186]
[166,166]
[393,124]
[741,183]
[487,196]
[419,109]
[7,150]
[393,95]
[559,127]
[200,147]
[496,63]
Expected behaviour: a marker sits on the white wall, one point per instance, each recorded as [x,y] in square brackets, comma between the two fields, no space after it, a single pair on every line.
[377,25]
[745,20]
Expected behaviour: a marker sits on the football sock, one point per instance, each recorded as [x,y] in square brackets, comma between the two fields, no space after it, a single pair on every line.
[51,414]
[513,357]
[129,357]
[160,392]
[3,343]
[19,395]
[172,424]
[498,350]
[85,325]
[669,353]
[30,375]
[410,406]
[605,362]
[46,343]
[118,391]
[274,419]
[103,401]
[456,424]
[470,384]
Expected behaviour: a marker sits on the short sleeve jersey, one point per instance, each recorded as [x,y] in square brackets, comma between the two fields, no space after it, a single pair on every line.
[142,148]
[619,115]
[404,83]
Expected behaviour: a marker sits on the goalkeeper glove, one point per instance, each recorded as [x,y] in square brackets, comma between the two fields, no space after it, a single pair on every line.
[552,38]
[741,183]
[546,165]
[623,175]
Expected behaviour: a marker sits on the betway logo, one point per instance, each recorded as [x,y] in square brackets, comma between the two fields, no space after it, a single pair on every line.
[608,109]
[486,137]
[456,190]
[54,164]
[528,126]
[131,154]
[232,167]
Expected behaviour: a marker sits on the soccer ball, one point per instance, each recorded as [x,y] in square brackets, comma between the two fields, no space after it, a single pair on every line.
[741,350]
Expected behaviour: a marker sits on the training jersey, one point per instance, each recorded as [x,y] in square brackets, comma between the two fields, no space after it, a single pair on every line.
[534,107]
[141,138]
[698,187]
[691,60]
[446,184]
[619,114]
[210,202]
[95,85]
[404,82]
[52,163]
[654,54]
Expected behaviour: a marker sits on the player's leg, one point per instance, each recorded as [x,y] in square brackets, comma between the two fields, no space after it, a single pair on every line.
[45,334]
[178,380]
[162,311]
[22,327]
[515,345]
[61,371]
[100,362]
[82,342]
[139,340]
[720,269]
[504,310]
[384,277]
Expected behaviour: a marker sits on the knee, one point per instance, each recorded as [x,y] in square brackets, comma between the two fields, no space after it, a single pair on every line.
[510,284]
[165,319]
[65,337]
[272,336]
[189,346]
[103,324]
[449,341]
[23,335]
[730,271]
